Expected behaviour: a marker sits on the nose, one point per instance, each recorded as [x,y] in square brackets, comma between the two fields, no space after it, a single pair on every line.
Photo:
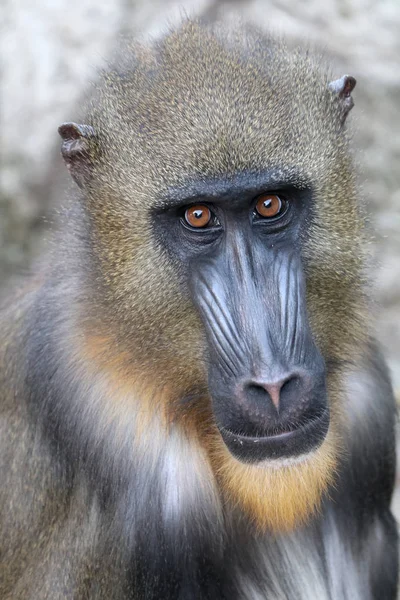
[275,417]
[266,406]
[273,394]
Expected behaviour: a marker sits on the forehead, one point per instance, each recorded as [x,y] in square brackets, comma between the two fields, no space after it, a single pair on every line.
[208,103]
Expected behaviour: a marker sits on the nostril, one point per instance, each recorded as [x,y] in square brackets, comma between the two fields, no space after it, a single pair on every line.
[255,391]
[261,393]
[290,387]
[267,406]
[276,392]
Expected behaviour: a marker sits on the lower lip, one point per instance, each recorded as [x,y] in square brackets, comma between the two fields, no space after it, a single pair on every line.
[284,445]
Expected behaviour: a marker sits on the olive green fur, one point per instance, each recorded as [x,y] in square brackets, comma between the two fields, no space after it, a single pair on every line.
[205,103]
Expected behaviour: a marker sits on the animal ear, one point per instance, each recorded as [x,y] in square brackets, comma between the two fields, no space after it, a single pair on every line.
[78,150]
[342,88]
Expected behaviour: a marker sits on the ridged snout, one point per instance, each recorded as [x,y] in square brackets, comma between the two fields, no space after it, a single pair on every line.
[266,377]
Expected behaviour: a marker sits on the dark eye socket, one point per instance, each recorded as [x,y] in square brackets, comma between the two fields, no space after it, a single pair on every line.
[199,216]
[270,206]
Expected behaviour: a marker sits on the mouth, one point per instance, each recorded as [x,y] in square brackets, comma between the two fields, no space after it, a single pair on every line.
[289,444]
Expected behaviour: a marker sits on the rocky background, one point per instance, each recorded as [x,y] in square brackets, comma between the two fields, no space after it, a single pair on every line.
[49,49]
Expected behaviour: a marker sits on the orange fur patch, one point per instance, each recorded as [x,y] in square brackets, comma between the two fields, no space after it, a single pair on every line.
[126,392]
[273,496]
[277,498]
[150,395]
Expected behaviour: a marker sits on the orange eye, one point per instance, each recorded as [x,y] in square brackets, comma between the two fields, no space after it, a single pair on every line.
[198,216]
[269,206]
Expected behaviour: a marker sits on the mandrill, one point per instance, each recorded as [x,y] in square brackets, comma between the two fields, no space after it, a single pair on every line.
[193,403]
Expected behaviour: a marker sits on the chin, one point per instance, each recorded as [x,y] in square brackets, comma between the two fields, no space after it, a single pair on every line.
[287,445]
[276,489]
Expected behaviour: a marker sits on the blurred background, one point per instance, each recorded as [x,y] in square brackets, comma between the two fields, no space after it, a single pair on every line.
[50,49]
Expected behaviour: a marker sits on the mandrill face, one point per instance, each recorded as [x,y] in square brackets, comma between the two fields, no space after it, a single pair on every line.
[240,244]
[230,236]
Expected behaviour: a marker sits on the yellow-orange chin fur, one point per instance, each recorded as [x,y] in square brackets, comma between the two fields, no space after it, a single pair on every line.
[277,498]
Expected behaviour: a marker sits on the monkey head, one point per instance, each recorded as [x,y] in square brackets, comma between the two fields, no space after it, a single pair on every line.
[225,252]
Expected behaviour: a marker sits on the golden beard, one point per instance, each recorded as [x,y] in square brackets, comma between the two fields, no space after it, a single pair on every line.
[276,495]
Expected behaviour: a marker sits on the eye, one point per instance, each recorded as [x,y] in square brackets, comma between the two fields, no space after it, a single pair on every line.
[198,216]
[270,206]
